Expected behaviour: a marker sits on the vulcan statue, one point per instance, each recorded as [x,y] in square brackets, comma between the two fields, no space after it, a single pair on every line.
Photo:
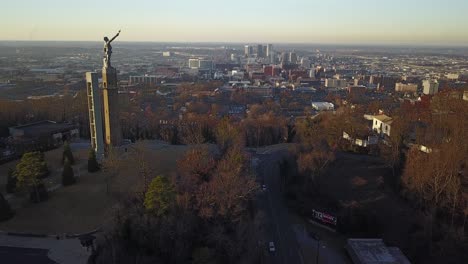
[108,50]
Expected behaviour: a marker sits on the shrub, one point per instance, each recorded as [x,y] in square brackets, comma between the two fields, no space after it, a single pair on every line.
[67,154]
[68,177]
[5,209]
[11,181]
[93,165]
[38,193]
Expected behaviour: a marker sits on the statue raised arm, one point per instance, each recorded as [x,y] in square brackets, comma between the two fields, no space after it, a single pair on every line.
[108,50]
[116,35]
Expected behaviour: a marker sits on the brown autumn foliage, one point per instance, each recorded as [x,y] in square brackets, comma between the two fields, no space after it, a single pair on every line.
[263,127]
[314,151]
[229,188]
[194,168]
[228,134]
[208,221]
[437,177]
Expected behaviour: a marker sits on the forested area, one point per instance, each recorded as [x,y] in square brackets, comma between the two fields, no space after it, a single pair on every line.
[202,214]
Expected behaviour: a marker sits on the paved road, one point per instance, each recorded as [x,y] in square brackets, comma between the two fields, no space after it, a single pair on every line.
[278,226]
[290,235]
[12,255]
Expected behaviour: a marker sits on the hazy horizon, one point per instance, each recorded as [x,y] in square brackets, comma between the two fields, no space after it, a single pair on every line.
[384,45]
[302,22]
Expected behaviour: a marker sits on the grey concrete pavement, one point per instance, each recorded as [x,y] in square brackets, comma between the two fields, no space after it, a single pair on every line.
[12,255]
[67,251]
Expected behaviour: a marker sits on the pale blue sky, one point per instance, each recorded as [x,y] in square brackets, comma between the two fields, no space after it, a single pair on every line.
[300,21]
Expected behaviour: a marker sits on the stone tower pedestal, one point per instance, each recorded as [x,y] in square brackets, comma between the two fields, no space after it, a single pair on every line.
[110,96]
[95,113]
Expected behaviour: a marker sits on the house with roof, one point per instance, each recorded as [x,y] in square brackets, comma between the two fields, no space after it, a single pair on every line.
[374,251]
[40,135]
[382,124]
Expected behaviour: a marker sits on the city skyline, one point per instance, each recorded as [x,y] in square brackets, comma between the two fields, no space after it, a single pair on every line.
[331,22]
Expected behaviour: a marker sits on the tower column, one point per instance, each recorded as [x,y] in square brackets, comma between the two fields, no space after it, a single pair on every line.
[110,94]
[95,113]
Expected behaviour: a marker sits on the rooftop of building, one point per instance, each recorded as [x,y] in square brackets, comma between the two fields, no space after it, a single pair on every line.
[374,251]
[384,118]
[43,128]
[322,104]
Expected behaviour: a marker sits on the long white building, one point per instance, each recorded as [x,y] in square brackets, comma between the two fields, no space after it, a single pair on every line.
[323,106]
[406,87]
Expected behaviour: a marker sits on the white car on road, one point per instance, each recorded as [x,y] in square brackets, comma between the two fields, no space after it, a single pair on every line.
[271,247]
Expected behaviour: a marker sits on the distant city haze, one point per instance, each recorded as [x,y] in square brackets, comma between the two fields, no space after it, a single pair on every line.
[427,22]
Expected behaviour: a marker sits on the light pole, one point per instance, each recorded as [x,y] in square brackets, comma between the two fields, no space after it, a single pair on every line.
[318,251]
[314,236]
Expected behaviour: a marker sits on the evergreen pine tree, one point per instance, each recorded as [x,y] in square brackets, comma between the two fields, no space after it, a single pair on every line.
[68,177]
[29,172]
[11,181]
[5,209]
[93,165]
[44,169]
[67,154]
[160,196]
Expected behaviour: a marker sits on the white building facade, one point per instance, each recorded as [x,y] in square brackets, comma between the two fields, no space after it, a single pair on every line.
[430,86]
[382,124]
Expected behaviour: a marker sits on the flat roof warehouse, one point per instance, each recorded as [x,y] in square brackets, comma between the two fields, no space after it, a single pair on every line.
[41,128]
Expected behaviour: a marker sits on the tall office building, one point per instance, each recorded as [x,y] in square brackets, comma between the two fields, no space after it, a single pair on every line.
[269,50]
[284,57]
[293,57]
[248,50]
[430,86]
[260,51]
[95,113]
[272,56]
